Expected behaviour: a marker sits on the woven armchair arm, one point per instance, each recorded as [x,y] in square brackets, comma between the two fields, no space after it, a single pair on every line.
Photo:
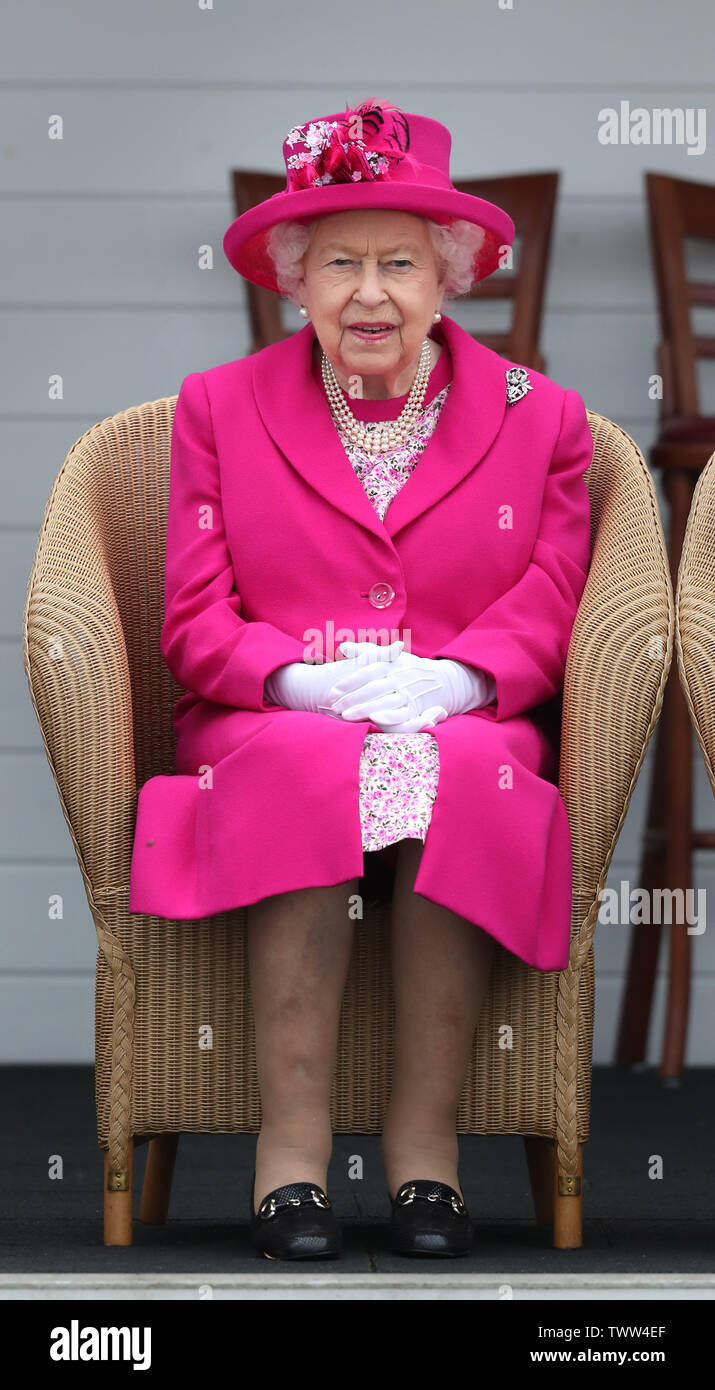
[75,661]
[695,615]
[619,655]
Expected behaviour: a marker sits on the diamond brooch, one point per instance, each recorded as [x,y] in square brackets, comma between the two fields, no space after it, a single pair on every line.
[517,384]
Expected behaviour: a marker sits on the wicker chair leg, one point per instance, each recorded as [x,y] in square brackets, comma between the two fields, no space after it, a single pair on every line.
[568,1234]
[156,1190]
[540,1160]
[118,1200]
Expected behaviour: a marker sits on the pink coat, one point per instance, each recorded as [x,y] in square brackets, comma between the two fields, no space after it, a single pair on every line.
[482,556]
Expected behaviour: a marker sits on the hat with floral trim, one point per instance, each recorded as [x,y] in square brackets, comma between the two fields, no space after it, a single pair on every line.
[372,156]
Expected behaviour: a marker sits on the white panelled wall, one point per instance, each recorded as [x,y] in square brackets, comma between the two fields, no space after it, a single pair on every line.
[99,282]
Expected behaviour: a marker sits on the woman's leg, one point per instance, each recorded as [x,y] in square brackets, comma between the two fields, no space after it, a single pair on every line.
[440,971]
[299,947]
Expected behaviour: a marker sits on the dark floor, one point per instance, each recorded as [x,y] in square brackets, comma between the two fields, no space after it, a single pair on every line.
[633,1222]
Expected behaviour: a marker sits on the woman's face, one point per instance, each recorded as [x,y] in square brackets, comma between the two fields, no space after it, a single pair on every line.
[372,266]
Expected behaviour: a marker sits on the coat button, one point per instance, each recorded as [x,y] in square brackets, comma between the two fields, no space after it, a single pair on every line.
[380,595]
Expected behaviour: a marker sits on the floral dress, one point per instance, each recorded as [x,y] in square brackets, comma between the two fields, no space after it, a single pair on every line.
[399,773]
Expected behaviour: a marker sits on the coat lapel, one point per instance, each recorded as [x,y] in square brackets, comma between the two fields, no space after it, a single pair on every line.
[296,414]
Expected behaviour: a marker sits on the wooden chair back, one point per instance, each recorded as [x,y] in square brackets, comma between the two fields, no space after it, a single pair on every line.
[530,200]
[677,209]
[265,309]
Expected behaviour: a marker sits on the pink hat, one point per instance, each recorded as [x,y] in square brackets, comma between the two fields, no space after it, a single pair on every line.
[375,156]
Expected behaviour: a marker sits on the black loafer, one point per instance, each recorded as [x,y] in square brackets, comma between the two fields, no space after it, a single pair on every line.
[295,1222]
[429,1218]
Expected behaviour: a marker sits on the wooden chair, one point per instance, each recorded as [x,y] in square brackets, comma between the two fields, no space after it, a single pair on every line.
[678,208]
[265,309]
[530,200]
[104,700]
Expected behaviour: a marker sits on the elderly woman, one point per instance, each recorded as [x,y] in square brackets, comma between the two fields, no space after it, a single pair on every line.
[378,538]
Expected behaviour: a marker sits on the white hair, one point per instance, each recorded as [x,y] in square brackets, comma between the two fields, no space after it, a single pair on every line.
[455,247]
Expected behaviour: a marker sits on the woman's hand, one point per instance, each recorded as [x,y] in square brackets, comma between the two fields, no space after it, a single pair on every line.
[305,685]
[366,689]
[411,693]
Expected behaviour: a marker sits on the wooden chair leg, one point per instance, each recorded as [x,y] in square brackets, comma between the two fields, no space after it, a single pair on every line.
[156,1190]
[540,1161]
[562,1207]
[568,1228]
[118,1208]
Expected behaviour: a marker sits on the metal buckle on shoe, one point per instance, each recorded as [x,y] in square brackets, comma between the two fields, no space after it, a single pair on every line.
[269,1206]
[453,1200]
[405,1198]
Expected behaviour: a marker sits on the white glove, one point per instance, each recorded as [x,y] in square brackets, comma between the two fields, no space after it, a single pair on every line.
[307,685]
[368,680]
[413,693]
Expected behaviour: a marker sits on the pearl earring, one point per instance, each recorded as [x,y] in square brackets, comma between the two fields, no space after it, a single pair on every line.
[437,316]
[303,311]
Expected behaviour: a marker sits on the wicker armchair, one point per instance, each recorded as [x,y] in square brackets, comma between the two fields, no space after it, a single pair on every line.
[695,615]
[104,698]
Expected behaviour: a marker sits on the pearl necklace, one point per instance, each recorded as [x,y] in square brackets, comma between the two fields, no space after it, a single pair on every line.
[389,433]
